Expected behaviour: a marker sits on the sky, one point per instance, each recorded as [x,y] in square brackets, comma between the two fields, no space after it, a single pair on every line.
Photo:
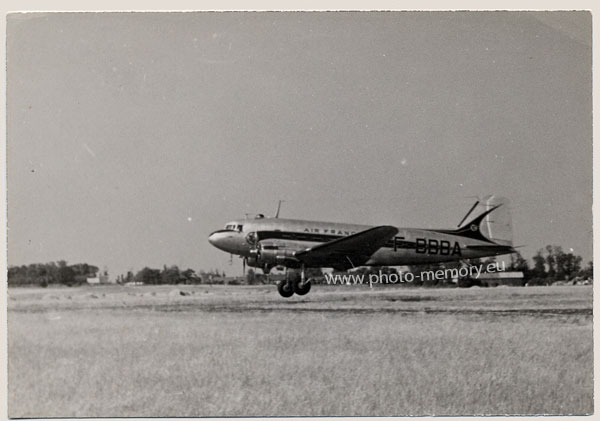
[133,136]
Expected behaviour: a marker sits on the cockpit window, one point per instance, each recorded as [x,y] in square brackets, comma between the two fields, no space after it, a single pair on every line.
[234,227]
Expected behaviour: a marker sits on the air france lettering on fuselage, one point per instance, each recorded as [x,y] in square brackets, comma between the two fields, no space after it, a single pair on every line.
[441,247]
[328,231]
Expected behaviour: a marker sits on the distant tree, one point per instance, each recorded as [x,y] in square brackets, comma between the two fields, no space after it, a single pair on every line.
[567,265]
[66,275]
[49,273]
[418,269]
[427,267]
[213,276]
[83,269]
[17,275]
[519,264]
[588,271]
[462,282]
[52,272]
[487,261]
[189,277]
[539,265]
[474,262]
[148,276]
[35,273]
[170,275]
[551,252]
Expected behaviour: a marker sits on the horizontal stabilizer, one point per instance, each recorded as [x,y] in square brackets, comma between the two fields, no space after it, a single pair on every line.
[493,248]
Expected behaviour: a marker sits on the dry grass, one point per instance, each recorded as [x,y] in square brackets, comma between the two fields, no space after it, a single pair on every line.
[109,361]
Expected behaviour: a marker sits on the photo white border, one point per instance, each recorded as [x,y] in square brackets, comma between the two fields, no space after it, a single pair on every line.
[10,6]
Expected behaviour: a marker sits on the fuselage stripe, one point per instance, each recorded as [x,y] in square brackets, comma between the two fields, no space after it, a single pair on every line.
[324,238]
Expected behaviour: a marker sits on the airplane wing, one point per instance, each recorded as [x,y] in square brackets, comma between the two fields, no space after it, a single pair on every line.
[346,252]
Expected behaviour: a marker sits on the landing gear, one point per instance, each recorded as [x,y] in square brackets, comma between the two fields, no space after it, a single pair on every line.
[301,288]
[286,290]
[294,283]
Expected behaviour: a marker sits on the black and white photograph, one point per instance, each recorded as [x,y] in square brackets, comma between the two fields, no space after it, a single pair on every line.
[337,213]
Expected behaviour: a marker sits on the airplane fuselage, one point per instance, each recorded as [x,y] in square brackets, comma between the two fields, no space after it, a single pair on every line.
[281,237]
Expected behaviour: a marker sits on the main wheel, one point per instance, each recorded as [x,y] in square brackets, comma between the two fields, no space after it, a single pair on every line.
[285,289]
[301,289]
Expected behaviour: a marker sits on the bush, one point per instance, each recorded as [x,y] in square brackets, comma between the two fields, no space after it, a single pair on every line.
[468,282]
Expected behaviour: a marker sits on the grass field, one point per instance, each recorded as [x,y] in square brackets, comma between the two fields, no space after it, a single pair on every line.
[115,351]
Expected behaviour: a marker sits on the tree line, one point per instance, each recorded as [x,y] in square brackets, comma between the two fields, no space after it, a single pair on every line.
[52,273]
[169,275]
[550,264]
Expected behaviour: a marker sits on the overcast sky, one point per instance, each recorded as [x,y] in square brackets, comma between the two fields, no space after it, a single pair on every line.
[132,136]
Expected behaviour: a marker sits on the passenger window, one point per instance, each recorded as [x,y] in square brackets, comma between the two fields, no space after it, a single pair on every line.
[240,228]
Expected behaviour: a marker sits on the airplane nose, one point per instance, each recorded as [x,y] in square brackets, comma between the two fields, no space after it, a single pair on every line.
[214,237]
[223,239]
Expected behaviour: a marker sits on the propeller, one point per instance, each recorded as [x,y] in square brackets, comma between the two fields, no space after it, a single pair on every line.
[244,266]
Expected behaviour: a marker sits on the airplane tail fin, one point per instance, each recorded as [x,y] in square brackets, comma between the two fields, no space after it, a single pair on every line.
[497,225]
[493,224]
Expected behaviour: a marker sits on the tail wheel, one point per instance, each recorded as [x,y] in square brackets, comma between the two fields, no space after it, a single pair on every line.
[285,289]
[301,289]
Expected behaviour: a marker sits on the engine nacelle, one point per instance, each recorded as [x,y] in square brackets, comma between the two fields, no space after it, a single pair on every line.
[279,258]
[253,261]
[272,255]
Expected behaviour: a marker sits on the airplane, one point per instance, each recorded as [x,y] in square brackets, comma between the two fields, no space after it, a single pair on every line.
[268,242]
